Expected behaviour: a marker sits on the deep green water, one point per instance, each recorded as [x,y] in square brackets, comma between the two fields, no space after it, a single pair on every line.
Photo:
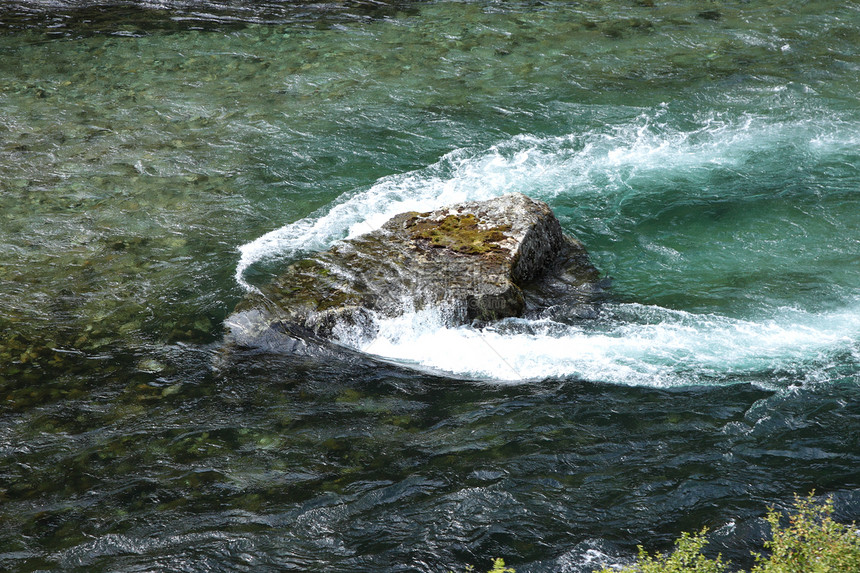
[158,158]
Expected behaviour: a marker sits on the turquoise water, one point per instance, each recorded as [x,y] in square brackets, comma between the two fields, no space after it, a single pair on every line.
[159,160]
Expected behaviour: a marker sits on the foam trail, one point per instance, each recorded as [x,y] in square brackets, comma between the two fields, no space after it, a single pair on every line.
[603,164]
[635,345]
[600,169]
[458,176]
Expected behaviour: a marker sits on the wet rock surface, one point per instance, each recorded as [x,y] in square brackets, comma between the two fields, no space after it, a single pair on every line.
[475,262]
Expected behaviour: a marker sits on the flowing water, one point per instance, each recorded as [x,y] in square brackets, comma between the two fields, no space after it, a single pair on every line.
[159,159]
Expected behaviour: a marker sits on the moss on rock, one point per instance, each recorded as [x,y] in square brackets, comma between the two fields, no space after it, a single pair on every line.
[460,233]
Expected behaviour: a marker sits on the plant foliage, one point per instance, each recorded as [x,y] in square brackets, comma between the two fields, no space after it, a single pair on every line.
[805,541]
[687,558]
[498,567]
[810,541]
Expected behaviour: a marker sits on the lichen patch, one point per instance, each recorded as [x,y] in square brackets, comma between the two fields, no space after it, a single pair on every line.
[460,233]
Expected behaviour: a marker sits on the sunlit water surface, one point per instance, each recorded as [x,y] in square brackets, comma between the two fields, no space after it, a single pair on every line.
[159,159]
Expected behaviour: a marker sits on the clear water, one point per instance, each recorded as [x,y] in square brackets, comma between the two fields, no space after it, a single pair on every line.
[158,159]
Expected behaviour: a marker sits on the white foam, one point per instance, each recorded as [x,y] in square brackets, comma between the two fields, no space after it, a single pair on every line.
[634,345]
[601,164]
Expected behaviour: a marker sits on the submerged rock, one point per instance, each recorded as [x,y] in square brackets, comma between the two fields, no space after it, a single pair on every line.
[474,261]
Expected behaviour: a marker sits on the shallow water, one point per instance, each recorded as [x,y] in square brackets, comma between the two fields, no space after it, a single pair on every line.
[159,159]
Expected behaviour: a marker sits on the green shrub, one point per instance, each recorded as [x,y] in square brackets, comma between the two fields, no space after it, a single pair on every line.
[687,558]
[498,567]
[810,542]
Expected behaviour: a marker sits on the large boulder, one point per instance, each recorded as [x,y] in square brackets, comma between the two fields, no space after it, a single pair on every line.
[474,261]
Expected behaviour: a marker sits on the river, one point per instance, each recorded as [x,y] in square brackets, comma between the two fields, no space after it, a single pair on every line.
[158,159]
